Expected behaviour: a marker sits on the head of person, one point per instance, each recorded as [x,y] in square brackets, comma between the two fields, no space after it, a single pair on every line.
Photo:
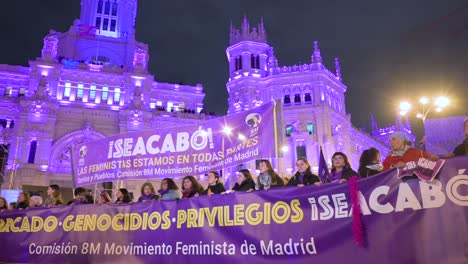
[80,193]
[303,166]
[339,161]
[104,198]
[168,184]
[53,190]
[12,205]
[35,201]
[465,124]
[243,175]
[369,156]
[213,177]
[147,188]
[189,182]
[3,203]
[398,141]
[122,193]
[23,198]
[265,166]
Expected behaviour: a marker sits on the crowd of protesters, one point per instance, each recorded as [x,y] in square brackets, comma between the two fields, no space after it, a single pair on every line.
[369,164]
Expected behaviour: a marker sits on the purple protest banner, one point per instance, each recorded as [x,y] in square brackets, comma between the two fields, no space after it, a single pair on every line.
[424,169]
[409,221]
[177,151]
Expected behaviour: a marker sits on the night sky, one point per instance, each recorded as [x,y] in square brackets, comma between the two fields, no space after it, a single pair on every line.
[389,50]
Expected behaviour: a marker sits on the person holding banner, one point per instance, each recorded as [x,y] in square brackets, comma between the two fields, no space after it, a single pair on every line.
[23,201]
[104,198]
[402,152]
[268,177]
[462,149]
[341,169]
[35,201]
[369,163]
[80,197]
[55,197]
[304,175]
[147,193]
[244,182]
[191,187]
[3,204]
[123,197]
[169,190]
[215,185]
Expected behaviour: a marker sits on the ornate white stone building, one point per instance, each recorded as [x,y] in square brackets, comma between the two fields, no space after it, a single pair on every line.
[92,81]
[89,82]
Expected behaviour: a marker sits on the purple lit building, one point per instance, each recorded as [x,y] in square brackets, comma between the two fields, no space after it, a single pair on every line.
[91,82]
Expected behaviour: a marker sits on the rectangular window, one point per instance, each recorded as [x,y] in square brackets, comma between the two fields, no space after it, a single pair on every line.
[105,25]
[112,26]
[105,93]
[310,128]
[117,95]
[22,92]
[289,129]
[301,152]
[98,22]
[114,9]
[107,7]
[99,7]
[152,105]
[32,152]
[79,92]
[158,103]
[8,91]
[92,92]
[67,90]
[169,106]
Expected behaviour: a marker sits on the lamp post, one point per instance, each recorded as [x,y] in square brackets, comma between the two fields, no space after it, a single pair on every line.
[426,106]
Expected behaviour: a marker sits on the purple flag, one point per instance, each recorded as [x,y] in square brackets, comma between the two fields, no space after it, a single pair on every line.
[323,167]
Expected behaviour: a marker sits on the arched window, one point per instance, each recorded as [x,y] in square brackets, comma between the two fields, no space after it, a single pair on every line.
[289,129]
[287,100]
[114,9]
[297,99]
[307,98]
[99,7]
[107,8]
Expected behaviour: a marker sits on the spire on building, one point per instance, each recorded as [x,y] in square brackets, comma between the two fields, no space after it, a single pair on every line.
[246,33]
[374,126]
[316,57]
[337,69]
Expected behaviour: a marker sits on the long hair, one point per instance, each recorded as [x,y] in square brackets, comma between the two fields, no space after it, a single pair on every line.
[247,174]
[344,157]
[195,184]
[171,185]
[26,197]
[5,203]
[56,195]
[275,178]
[149,185]
[308,170]
[126,196]
[367,158]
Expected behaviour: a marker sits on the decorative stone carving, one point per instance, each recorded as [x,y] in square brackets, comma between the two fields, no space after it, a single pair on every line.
[49,50]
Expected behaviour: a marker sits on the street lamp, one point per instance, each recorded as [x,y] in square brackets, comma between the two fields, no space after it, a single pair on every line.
[437,104]
[427,105]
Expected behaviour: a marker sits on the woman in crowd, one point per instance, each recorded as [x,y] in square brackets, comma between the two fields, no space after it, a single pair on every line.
[123,197]
[104,198]
[304,175]
[147,193]
[341,169]
[402,152]
[244,181]
[369,163]
[215,185]
[190,187]
[54,196]
[3,204]
[23,201]
[268,177]
[169,190]
[35,201]
[80,197]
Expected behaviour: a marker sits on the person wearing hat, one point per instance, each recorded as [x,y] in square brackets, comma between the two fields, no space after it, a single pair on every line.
[402,152]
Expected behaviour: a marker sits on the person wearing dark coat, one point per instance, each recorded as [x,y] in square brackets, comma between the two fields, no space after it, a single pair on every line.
[148,194]
[369,163]
[304,175]
[191,187]
[244,181]
[215,185]
[341,169]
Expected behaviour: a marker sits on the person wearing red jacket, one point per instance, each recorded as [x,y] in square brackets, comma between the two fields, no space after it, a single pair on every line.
[402,152]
